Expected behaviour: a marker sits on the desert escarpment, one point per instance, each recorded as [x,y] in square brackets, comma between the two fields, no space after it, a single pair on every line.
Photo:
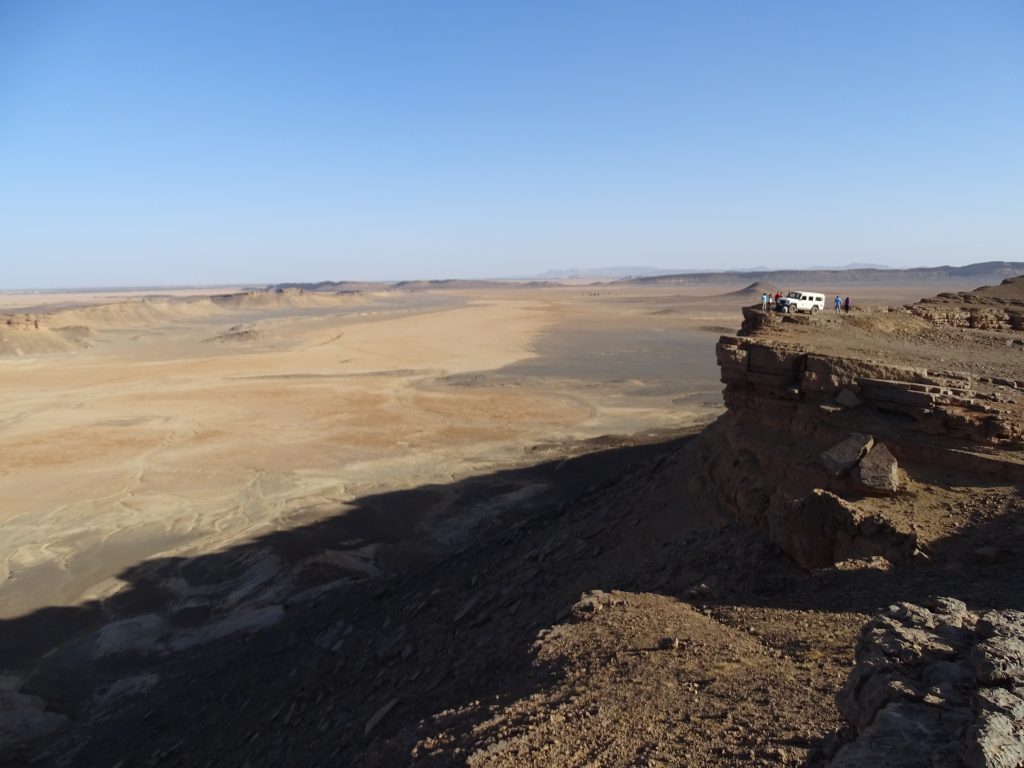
[800,389]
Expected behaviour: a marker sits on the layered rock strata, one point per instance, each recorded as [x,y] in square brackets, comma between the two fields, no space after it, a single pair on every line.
[990,308]
[824,413]
[923,402]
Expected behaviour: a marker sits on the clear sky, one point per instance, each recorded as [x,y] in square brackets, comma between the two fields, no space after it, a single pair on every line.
[192,142]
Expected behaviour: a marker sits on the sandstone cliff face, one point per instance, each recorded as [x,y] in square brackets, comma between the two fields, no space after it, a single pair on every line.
[796,387]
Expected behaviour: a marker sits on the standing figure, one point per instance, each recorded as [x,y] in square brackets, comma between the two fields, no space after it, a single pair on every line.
[846,304]
[764,301]
[838,303]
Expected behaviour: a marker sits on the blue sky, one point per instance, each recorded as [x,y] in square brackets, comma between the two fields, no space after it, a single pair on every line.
[193,142]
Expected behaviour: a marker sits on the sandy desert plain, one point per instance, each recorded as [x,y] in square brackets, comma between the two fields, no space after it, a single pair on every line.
[179,426]
[185,427]
[187,467]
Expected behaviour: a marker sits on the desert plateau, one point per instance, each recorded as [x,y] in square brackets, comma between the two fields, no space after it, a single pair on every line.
[631,523]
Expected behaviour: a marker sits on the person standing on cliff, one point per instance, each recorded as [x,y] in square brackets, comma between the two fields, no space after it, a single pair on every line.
[764,301]
[839,304]
[846,305]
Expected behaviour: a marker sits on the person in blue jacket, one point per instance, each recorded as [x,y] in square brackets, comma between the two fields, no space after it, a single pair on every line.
[839,305]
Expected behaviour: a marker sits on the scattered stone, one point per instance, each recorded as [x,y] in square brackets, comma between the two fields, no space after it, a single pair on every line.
[392,644]
[590,604]
[378,716]
[847,398]
[700,591]
[466,608]
[331,639]
[843,457]
[878,471]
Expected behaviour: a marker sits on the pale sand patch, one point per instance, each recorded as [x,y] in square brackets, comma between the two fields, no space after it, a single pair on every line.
[147,445]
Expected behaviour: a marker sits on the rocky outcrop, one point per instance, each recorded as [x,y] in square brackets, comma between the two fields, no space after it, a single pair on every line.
[21,322]
[825,414]
[764,480]
[991,308]
[878,471]
[841,458]
[25,334]
[821,529]
[935,685]
[760,373]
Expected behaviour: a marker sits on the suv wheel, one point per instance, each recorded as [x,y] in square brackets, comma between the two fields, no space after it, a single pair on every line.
[814,309]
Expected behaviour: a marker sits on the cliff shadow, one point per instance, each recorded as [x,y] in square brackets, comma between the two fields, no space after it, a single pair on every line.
[317,659]
[361,607]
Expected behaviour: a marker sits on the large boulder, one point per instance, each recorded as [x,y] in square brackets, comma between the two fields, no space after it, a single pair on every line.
[808,529]
[847,398]
[878,471]
[843,457]
[822,529]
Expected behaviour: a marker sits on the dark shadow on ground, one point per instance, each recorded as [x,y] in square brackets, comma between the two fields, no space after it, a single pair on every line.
[448,626]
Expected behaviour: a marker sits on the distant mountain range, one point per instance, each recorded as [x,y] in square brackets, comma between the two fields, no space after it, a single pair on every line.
[618,273]
[614,273]
[986,272]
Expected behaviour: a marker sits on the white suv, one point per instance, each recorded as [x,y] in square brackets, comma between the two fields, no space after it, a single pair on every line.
[801,301]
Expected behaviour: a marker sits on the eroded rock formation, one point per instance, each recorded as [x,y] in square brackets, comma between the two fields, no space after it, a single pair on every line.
[998,307]
[935,685]
[825,412]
